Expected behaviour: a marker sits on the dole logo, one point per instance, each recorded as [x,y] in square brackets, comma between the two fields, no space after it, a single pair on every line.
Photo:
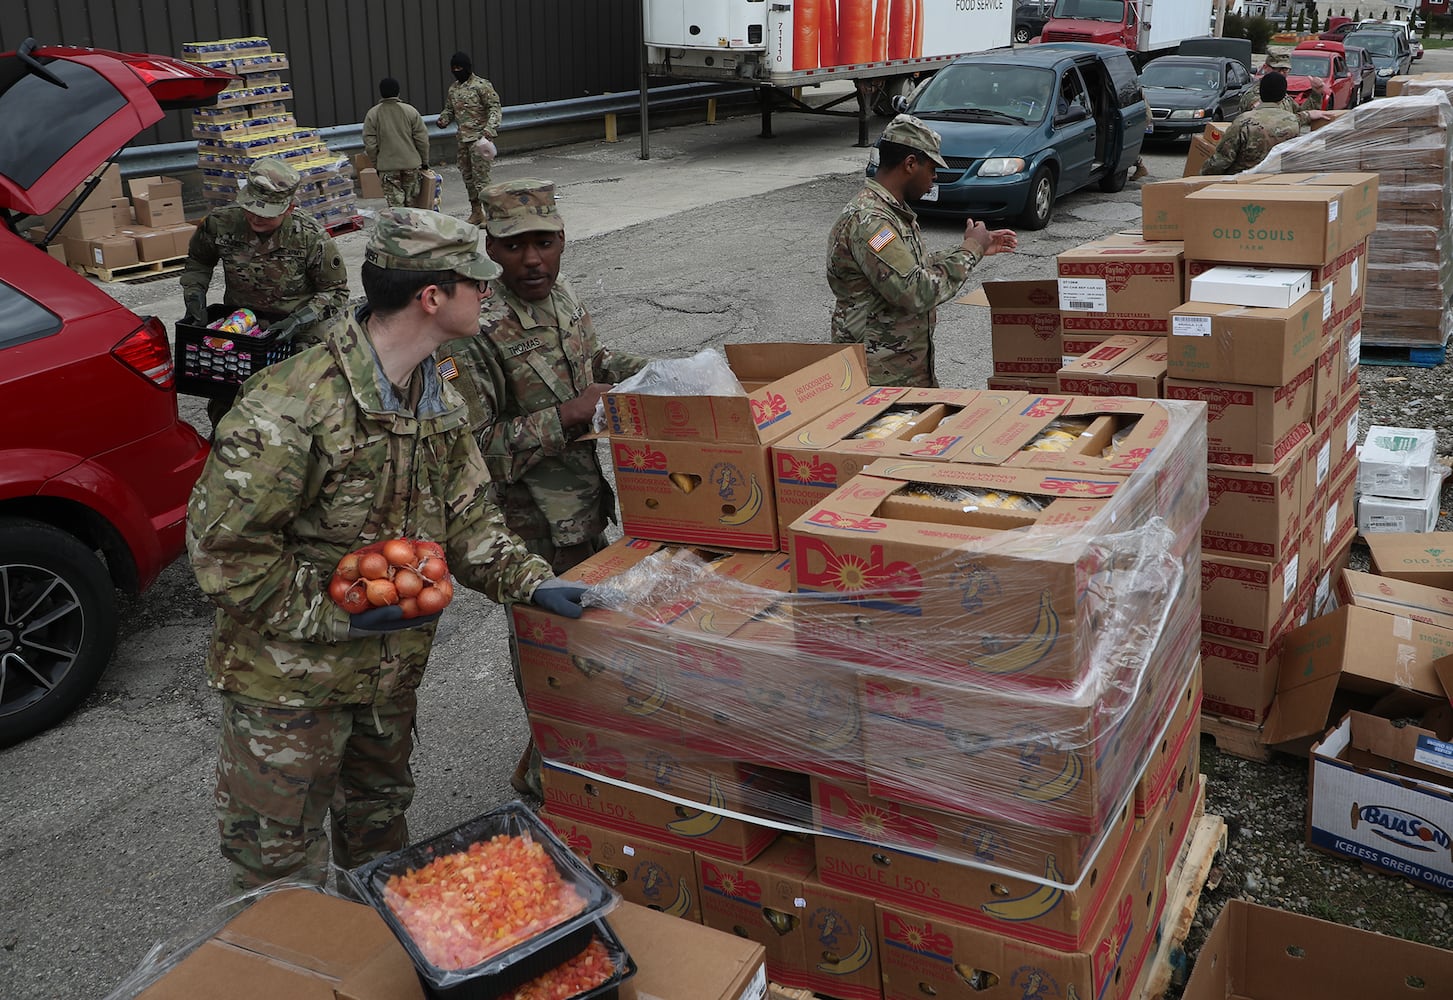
[1044,406]
[878,821]
[637,458]
[917,936]
[820,567]
[535,630]
[731,883]
[1252,212]
[1405,829]
[572,838]
[769,410]
[813,472]
[878,396]
[846,522]
[582,752]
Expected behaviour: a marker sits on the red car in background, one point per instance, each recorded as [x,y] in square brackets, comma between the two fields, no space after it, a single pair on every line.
[95,464]
[1325,61]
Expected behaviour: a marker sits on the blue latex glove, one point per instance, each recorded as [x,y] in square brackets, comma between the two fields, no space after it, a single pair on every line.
[381,621]
[560,597]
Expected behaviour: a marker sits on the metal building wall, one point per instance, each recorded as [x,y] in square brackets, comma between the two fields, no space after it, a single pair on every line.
[533,51]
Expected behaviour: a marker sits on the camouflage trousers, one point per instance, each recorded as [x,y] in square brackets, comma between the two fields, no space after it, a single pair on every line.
[474,168]
[280,771]
[901,360]
[400,187]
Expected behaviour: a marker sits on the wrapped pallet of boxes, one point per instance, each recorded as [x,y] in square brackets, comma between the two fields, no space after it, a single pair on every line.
[972,685]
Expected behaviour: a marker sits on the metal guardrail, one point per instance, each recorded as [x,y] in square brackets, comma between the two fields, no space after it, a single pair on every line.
[175,157]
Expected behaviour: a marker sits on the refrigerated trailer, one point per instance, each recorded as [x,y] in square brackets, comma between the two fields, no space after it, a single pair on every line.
[1147,28]
[883,46]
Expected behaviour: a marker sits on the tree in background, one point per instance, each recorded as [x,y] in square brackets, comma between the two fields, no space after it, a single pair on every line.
[1288,25]
[1301,21]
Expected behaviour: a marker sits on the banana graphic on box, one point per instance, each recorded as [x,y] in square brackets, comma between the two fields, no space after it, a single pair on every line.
[1033,905]
[846,385]
[652,703]
[849,964]
[1034,648]
[682,904]
[701,823]
[748,510]
[1066,781]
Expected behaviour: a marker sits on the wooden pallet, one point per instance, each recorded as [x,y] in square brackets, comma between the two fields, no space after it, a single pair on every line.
[147,270]
[1239,739]
[1404,355]
[1195,870]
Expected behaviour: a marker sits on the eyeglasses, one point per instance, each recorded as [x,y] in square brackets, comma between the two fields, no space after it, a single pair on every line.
[482,287]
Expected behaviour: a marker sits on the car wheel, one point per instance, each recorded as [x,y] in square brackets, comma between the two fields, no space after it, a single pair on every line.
[1021,35]
[1112,183]
[57,625]
[1040,205]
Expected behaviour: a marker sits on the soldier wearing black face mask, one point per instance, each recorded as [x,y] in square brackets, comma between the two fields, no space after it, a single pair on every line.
[474,106]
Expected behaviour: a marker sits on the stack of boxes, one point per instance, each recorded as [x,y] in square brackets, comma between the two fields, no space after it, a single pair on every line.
[109,232]
[945,639]
[1399,481]
[252,119]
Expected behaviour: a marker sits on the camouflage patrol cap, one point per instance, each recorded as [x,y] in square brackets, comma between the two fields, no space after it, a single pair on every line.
[270,187]
[907,130]
[523,206]
[1280,62]
[414,239]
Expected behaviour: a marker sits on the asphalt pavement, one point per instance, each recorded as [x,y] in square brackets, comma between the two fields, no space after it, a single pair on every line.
[107,836]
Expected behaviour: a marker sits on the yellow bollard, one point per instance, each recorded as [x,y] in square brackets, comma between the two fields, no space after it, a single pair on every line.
[711,110]
[610,128]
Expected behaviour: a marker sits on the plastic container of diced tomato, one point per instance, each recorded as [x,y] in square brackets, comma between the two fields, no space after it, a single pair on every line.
[623,968]
[517,958]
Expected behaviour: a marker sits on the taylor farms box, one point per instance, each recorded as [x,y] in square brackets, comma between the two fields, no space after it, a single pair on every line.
[1245,599]
[1396,597]
[1251,424]
[1032,384]
[1240,678]
[1162,204]
[1121,366]
[1121,285]
[1024,327]
[1264,287]
[1414,557]
[1382,794]
[1342,447]
[1399,462]
[1255,511]
[1304,225]
[1214,342]
[643,871]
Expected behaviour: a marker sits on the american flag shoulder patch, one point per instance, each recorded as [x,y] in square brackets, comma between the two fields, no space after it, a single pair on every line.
[448,370]
[882,238]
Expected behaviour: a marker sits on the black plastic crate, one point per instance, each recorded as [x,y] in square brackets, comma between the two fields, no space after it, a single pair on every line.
[212,363]
[516,964]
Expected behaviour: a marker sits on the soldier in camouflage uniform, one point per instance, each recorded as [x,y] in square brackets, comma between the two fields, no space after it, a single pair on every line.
[1250,137]
[1310,102]
[396,140]
[348,443]
[888,288]
[474,106]
[277,262]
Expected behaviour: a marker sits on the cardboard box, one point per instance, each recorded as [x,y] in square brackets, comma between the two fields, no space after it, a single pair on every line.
[1256,511]
[121,213]
[696,493]
[431,189]
[151,244]
[1382,794]
[1251,424]
[155,187]
[1024,327]
[1396,597]
[677,960]
[1245,599]
[156,212]
[1399,462]
[1121,284]
[369,186]
[1339,513]
[1396,514]
[643,871]
[1342,446]
[295,943]
[1414,557]
[181,237]
[1278,224]
[1264,287]
[90,224]
[1121,366]
[1215,342]
[785,387]
[1260,953]
[1362,653]
[113,251]
[1240,678]
[1022,383]
[1163,202]
[1202,146]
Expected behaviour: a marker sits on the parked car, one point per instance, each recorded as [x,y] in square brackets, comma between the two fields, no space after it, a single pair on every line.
[1364,74]
[1389,50]
[1186,92]
[95,465]
[1417,44]
[1029,18]
[1338,28]
[1021,127]
[1326,62]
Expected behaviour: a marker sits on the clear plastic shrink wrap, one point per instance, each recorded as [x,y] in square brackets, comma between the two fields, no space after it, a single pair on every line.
[957,681]
[1405,140]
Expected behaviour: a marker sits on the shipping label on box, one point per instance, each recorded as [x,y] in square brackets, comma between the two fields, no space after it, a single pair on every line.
[1121,284]
[1213,342]
[643,871]
[1256,512]
[1249,424]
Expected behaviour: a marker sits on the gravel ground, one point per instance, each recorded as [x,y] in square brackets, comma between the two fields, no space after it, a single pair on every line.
[1267,860]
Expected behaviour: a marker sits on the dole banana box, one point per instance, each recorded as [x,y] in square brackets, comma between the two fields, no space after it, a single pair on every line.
[1061,759]
[751,694]
[1120,284]
[1257,511]
[817,938]
[1121,366]
[903,572]
[1273,224]
[929,424]
[784,386]
[1162,777]
[643,871]
[1216,342]
[696,493]
[1251,424]
[927,955]
[643,788]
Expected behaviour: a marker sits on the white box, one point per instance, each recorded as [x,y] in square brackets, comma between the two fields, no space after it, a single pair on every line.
[1393,810]
[1271,287]
[1398,462]
[1398,513]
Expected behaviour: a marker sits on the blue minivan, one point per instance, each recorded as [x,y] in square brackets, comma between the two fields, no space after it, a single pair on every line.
[1023,126]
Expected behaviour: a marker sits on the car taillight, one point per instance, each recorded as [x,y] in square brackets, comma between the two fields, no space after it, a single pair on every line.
[174,83]
[147,353]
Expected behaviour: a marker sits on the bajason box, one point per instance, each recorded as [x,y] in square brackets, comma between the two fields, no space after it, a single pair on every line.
[1215,342]
[1120,284]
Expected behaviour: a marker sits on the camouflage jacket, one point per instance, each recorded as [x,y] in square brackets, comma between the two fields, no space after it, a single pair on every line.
[528,359]
[394,136]
[1249,138]
[888,289]
[1251,99]
[318,458]
[297,265]
[474,106]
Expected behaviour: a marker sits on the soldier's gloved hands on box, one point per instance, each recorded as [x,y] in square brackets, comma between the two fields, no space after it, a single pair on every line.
[287,327]
[560,597]
[194,302]
[381,621]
